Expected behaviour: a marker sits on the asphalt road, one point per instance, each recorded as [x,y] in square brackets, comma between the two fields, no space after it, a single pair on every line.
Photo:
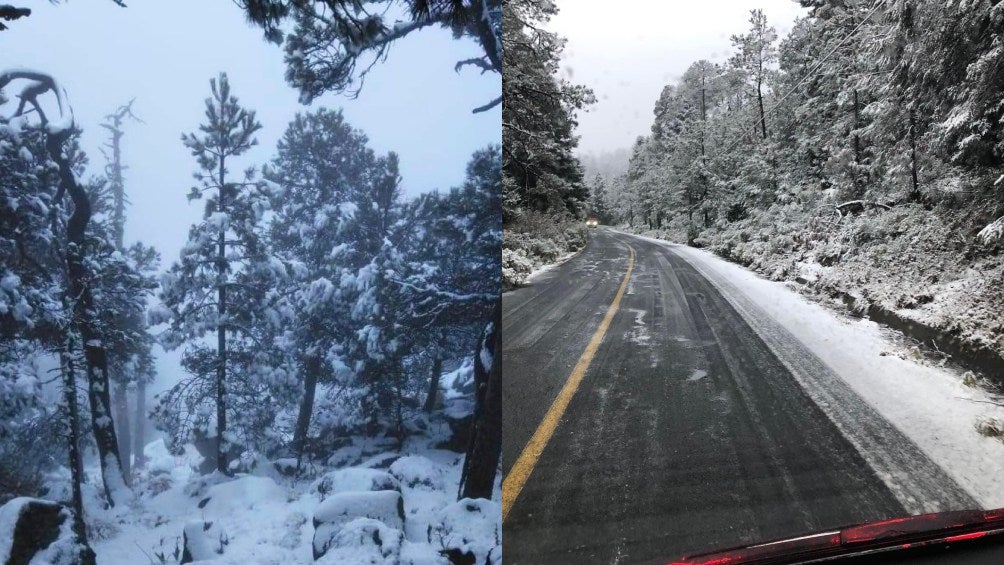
[687,432]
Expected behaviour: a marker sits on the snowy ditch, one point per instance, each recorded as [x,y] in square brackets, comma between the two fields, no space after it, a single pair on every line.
[841,362]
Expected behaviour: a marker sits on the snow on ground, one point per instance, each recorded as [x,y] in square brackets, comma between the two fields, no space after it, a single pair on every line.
[550,266]
[930,405]
[266,519]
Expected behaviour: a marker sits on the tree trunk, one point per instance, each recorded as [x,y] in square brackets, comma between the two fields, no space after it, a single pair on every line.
[121,394]
[221,338]
[73,415]
[95,356]
[139,441]
[121,399]
[87,556]
[915,178]
[859,190]
[763,115]
[482,461]
[433,397]
[312,367]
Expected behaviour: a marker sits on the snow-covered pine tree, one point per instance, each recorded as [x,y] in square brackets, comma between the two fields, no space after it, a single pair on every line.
[327,174]
[218,286]
[453,249]
[80,270]
[332,44]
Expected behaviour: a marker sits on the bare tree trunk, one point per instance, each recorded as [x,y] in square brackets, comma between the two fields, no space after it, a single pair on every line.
[485,449]
[312,367]
[139,441]
[121,399]
[433,397]
[95,355]
[75,460]
[117,182]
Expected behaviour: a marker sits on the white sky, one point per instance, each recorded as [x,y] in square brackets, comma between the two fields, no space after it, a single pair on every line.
[629,54]
[163,53]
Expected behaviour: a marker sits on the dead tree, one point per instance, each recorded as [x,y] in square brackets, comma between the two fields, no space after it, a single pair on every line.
[114,171]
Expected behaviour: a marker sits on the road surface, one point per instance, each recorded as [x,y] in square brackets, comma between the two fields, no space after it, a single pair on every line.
[666,426]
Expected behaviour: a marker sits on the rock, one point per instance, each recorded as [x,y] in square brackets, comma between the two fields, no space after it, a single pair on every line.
[385,506]
[364,541]
[419,472]
[31,528]
[470,531]
[203,541]
[354,479]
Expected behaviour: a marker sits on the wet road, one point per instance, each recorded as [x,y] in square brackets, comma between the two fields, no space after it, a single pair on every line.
[686,433]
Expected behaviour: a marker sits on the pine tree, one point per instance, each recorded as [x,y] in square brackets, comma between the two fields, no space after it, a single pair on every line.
[328,174]
[213,288]
[333,44]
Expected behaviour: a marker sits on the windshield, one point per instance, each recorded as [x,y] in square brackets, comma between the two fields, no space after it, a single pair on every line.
[787,321]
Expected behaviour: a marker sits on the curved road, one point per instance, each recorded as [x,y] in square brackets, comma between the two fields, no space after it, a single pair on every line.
[686,432]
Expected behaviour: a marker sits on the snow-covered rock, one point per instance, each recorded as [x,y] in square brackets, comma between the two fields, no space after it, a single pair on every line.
[203,541]
[416,471]
[354,479]
[470,531]
[364,541]
[333,514]
[37,531]
[244,493]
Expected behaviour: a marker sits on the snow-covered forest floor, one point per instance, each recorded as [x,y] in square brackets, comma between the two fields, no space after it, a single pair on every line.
[934,402]
[268,517]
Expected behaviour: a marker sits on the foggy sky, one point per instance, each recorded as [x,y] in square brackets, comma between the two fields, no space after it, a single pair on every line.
[627,55]
[164,52]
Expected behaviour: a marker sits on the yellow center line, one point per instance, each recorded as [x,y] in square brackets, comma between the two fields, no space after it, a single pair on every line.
[514,482]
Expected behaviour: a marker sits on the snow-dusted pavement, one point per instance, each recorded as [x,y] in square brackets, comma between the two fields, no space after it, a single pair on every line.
[720,409]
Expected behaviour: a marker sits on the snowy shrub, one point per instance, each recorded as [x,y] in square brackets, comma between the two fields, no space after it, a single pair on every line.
[516,267]
[533,240]
[470,531]
[991,428]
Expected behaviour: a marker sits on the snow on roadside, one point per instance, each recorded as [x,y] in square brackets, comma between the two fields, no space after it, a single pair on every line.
[541,270]
[929,405]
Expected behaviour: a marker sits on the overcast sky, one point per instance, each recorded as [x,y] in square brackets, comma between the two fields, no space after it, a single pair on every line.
[627,55]
[163,53]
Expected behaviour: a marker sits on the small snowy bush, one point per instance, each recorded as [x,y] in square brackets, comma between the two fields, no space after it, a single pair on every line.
[471,528]
[516,267]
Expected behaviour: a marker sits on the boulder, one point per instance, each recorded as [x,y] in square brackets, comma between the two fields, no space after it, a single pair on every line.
[203,541]
[364,541]
[415,471]
[385,506]
[31,528]
[354,479]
